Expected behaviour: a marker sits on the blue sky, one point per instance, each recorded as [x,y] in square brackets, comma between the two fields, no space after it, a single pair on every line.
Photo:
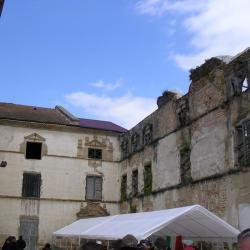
[111,59]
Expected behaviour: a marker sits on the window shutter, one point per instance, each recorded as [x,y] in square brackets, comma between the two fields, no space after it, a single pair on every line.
[98,188]
[31,185]
[90,187]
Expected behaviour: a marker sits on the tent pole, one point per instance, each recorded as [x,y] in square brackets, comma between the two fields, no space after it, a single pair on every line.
[108,245]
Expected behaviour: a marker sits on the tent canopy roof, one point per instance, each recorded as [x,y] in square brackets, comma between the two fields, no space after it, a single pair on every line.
[193,222]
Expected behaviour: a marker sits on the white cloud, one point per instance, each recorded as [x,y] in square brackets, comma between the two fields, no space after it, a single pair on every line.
[126,110]
[159,7]
[217,27]
[107,86]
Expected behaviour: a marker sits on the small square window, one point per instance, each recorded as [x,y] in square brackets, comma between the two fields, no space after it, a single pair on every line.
[34,150]
[94,153]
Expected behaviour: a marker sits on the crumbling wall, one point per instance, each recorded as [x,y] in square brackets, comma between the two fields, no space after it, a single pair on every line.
[193,152]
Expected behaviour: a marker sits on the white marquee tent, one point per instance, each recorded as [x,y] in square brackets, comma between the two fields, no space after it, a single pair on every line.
[192,222]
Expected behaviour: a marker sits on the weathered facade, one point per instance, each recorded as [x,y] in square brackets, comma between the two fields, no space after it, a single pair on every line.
[54,169]
[193,149]
[196,146]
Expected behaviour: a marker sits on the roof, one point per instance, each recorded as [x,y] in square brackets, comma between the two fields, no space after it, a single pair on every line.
[32,113]
[58,115]
[192,222]
[101,125]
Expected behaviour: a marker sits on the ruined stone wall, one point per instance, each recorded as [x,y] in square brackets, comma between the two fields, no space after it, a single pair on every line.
[200,127]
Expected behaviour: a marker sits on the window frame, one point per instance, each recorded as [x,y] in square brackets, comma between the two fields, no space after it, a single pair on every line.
[26,185]
[124,187]
[28,145]
[135,191]
[134,142]
[146,178]
[243,143]
[95,150]
[125,148]
[147,134]
[93,198]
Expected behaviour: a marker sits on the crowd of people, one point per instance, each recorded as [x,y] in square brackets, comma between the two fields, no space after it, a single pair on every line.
[127,243]
[12,244]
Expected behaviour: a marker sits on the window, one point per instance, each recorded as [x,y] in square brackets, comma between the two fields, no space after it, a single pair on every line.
[183,116]
[124,147]
[33,150]
[93,188]
[94,153]
[147,134]
[244,85]
[135,182]
[185,166]
[147,179]
[124,188]
[134,142]
[31,185]
[243,143]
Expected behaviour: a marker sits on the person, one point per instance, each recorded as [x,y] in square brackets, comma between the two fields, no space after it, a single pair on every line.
[12,245]
[244,240]
[160,244]
[145,245]
[47,247]
[21,244]
[6,243]
[188,245]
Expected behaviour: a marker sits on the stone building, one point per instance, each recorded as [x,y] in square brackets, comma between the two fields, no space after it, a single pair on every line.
[54,169]
[194,149]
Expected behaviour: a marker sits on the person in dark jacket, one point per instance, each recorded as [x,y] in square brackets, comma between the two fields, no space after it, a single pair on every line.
[12,245]
[21,244]
[47,247]
[6,243]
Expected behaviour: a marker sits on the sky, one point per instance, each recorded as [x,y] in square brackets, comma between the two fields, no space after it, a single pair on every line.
[110,60]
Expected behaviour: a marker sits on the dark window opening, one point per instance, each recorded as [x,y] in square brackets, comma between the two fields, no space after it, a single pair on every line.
[93,188]
[147,134]
[31,185]
[95,153]
[34,150]
[243,143]
[185,166]
[124,188]
[134,142]
[183,117]
[135,182]
[148,179]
